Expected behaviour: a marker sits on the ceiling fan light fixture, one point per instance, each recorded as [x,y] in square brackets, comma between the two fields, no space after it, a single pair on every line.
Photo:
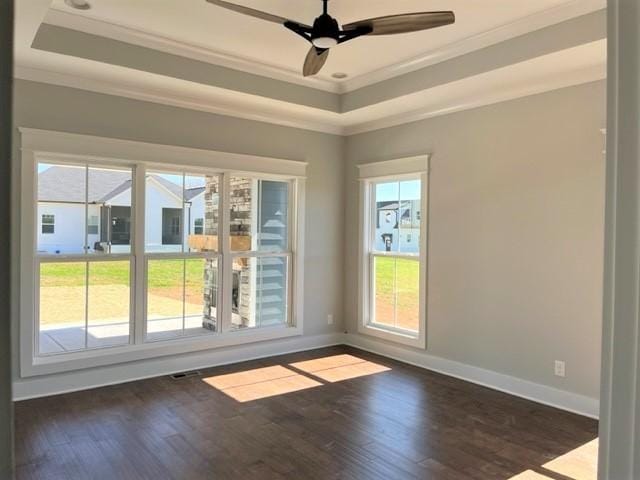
[78,4]
[324,42]
[326,33]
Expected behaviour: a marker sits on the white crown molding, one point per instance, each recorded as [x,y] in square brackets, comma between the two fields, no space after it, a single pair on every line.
[570,79]
[282,118]
[554,397]
[341,125]
[145,38]
[536,21]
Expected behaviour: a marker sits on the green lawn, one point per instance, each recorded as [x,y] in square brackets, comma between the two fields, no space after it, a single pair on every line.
[397,284]
[162,273]
[405,272]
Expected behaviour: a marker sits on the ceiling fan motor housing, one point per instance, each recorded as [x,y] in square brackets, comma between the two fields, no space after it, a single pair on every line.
[326,31]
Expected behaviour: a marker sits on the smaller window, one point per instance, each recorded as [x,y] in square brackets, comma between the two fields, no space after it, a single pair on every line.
[198,226]
[48,224]
[92,226]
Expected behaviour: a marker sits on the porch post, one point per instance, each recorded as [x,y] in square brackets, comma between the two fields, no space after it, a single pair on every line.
[620,395]
[6,76]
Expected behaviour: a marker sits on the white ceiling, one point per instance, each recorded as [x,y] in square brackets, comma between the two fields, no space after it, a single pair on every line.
[199,24]
[200,31]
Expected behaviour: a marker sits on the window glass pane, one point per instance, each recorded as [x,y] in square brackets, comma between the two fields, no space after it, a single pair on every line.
[387,216]
[108,304]
[62,307]
[408,294]
[93,227]
[201,289]
[165,294]
[242,198]
[202,197]
[181,297]
[384,275]
[48,223]
[61,209]
[273,216]
[259,215]
[396,292]
[211,282]
[259,295]
[164,212]
[410,216]
[109,210]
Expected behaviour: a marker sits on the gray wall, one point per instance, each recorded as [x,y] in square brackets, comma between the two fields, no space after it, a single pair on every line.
[516,216]
[515,233]
[6,74]
[58,108]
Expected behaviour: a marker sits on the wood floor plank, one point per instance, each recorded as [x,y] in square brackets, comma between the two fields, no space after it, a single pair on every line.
[359,417]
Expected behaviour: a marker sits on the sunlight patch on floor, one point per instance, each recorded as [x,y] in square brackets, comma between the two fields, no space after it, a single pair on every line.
[579,464]
[339,367]
[531,475]
[260,383]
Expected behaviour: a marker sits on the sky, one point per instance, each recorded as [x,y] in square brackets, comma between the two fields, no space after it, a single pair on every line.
[390,191]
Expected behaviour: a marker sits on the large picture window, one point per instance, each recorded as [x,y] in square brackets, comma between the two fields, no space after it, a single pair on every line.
[393,277]
[133,254]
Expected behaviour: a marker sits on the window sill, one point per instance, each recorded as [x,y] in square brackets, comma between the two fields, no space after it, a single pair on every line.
[131,353]
[416,340]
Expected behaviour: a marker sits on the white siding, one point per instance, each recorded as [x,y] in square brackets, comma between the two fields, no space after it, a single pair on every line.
[157,198]
[69,227]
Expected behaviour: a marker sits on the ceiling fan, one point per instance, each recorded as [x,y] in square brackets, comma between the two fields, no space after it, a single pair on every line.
[326,33]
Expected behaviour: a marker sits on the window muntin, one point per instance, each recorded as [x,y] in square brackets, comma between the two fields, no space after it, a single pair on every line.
[394,255]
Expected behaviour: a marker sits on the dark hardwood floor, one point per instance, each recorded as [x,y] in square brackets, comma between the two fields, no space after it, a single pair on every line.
[394,421]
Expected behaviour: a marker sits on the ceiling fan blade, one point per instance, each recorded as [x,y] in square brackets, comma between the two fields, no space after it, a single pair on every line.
[254,13]
[316,58]
[403,23]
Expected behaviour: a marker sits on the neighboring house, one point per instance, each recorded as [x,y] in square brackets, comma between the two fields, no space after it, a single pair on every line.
[398,225]
[62,210]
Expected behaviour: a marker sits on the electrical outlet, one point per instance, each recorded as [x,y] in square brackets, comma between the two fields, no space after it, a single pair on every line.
[559,368]
[330,319]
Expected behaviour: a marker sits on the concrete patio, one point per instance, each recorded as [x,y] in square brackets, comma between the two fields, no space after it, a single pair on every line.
[69,337]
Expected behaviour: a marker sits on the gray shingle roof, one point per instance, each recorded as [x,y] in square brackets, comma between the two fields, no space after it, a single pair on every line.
[67,184]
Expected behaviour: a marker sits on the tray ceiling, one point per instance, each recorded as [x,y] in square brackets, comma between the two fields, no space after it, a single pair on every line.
[198,24]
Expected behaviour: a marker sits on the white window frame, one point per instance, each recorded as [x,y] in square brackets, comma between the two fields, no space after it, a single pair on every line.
[52,147]
[370,174]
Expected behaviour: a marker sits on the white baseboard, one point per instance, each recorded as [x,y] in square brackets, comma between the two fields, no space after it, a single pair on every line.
[34,387]
[42,386]
[536,392]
